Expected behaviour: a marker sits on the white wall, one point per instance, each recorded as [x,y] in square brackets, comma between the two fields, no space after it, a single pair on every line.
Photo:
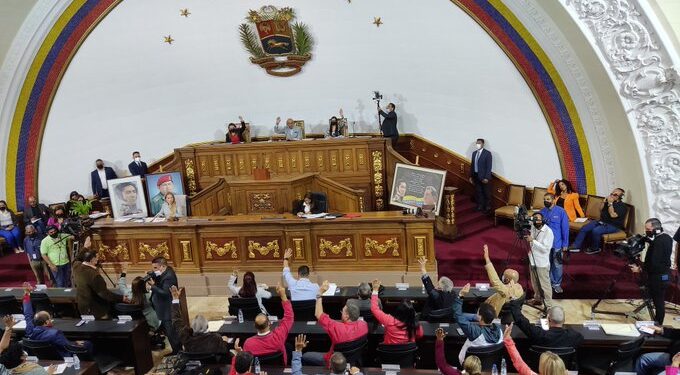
[126,90]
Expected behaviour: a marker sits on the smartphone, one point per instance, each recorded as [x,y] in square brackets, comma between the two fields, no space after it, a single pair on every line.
[80,323]
[460,331]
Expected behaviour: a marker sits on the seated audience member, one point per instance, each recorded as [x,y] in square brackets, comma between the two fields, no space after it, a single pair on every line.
[508,289]
[196,338]
[92,294]
[400,328]
[292,132]
[55,252]
[72,199]
[301,289]
[363,299]
[235,131]
[139,294]
[268,341]
[612,216]
[170,210]
[12,355]
[32,247]
[39,327]
[471,366]
[307,206]
[549,363]
[655,362]
[482,332]
[338,363]
[437,298]
[57,218]
[249,289]
[37,214]
[555,337]
[348,329]
[242,362]
[335,126]
[9,228]
[137,167]
[567,198]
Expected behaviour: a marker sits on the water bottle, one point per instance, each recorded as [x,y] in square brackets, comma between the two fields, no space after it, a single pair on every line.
[240,316]
[504,368]
[76,362]
[494,370]
[256,365]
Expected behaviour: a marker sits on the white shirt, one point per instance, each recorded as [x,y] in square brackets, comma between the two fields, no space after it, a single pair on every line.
[102,178]
[260,294]
[302,289]
[6,219]
[306,208]
[540,246]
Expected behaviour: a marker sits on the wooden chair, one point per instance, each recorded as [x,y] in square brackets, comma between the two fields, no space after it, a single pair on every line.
[515,199]
[488,355]
[592,212]
[300,124]
[246,134]
[537,198]
[613,238]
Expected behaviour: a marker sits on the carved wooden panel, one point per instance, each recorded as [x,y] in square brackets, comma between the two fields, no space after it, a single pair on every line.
[221,249]
[185,248]
[381,246]
[114,251]
[340,246]
[264,247]
[149,249]
[262,201]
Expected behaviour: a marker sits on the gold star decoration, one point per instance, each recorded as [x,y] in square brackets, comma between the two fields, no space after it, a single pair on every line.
[377,21]
[184,12]
[168,39]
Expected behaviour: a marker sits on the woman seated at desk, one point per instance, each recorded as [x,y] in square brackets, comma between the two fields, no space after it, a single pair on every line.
[170,209]
[335,127]
[235,132]
[307,206]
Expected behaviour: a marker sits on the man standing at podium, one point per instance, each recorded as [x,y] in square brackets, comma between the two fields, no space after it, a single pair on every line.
[389,124]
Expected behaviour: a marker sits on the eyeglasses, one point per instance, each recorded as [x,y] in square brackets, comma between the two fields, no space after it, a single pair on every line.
[614,195]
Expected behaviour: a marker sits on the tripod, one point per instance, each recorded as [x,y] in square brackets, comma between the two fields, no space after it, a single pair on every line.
[646,300]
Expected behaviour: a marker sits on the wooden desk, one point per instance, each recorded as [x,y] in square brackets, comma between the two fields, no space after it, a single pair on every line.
[386,240]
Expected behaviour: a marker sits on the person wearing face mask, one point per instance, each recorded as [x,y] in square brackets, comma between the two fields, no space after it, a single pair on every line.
[57,219]
[541,241]
[389,124]
[54,250]
[480,176]
[612,219]
[508,289]
[9,228]
[137,167]
[657,266]
[100,177]
[557,219]
[32,247]
[37,214]
[92,295]
[162,279]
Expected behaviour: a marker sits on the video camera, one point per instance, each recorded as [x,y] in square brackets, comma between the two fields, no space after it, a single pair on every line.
[522,224]
[377,95]
[76,226]
[631,248]
[149,275]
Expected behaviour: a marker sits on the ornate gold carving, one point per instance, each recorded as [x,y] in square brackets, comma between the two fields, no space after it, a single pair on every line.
[451,209]
[160,250]
[242,166]
[462,168]
[436,155]
[348,160]
[372,245]
[361,204]
[307,161]
[326,245]
[186,249]
[263,250]
[121,250]
[229,200]
[189,173]
[211,247]
[253,163]
[334,159]
[319,160]
[280,162]
[204,167]
[261,202]
[420,245]
[227,162]
[412,144]
[378,188]
[297,242]
[216,165]
[362,158]
[293,162]
[267,162]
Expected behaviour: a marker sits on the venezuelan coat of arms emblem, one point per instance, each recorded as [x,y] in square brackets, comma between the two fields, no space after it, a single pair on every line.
[274,42]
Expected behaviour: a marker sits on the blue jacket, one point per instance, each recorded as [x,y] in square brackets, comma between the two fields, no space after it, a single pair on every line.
[472,330]
[484,167]
[96,182]
[43,333]
[32,247]
[137,170]
[558,221]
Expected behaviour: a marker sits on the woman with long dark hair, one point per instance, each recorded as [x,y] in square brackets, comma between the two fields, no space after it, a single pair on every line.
[400,328]
[567,198]
[249,289]
[308,205]
[139,294]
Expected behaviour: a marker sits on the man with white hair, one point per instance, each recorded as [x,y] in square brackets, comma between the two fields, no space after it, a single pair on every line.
[195,339]
[437,298]
[555,337]
[292,132]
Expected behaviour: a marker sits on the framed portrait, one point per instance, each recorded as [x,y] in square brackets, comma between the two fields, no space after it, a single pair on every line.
[159,184]
[417,187]
[127,197]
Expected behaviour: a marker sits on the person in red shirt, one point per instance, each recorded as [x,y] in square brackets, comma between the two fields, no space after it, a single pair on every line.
[349,329]
[401,328]
[242,362]
[235,131]
[268,341]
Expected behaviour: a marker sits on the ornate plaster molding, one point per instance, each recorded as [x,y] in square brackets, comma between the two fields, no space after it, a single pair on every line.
[647,81]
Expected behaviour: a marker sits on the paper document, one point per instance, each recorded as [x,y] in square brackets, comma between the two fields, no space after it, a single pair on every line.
[215,325]
[60,368]
[581,220]
[331,289]
[97,215]
[314,216]
[20,325]
[627,330]
[121,219]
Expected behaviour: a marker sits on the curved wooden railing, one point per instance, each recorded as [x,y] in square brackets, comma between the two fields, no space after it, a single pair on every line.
[341,198]
[168,163]
[211,201]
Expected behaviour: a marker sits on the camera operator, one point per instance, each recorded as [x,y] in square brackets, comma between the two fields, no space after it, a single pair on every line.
[540,239]
[389,125]
[657,266]
[162,278]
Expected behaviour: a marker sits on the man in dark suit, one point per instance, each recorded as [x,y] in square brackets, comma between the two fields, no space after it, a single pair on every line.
[137,167]
[389,124]
[37,214]
[163,279]
[92,295]
[557,336]
[438,298]
[100,177]
[480,176]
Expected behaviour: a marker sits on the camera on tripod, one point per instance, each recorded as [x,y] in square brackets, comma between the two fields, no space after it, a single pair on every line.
[76,226]
[377,95]
[522,224]
[631,248]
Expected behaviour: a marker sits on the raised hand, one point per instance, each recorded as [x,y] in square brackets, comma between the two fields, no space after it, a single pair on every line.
[466,289]
[240,118]
[324,287]
[237,348]
[376,285]
[175,292]
[9,321]
[508,331]
[27,287]
[288,254]
[235,272]
[341,113]
[281,291]
[486,253]
[423,262]
[440,333]
[278,120]
[123,267]
[300,342]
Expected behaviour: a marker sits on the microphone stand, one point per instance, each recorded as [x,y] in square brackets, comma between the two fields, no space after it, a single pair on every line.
[379,118]
[106,274]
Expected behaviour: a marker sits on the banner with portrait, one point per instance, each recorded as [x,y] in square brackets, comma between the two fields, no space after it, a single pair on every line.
[160,184]
[127,198]
[417,187]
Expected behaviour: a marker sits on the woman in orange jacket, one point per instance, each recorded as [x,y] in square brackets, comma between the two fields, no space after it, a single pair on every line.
[567,198]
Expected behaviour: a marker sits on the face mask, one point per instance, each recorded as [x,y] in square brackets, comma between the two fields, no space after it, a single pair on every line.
[547,204]
[649,233]
[3,208]
[100,166]
[138,158]
[538,225]
[157,273]
[479,145]
[32,235]
[54,235]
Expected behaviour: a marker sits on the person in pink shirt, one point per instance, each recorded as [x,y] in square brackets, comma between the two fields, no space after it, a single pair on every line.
[348,329]
[549,363]
[270,341]
[401,328]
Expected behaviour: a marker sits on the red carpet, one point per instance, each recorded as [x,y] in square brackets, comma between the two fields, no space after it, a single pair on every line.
[15,270]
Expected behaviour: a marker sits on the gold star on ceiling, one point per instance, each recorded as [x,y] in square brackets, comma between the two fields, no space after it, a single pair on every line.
[168,39]
[377,21]
[184,12]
